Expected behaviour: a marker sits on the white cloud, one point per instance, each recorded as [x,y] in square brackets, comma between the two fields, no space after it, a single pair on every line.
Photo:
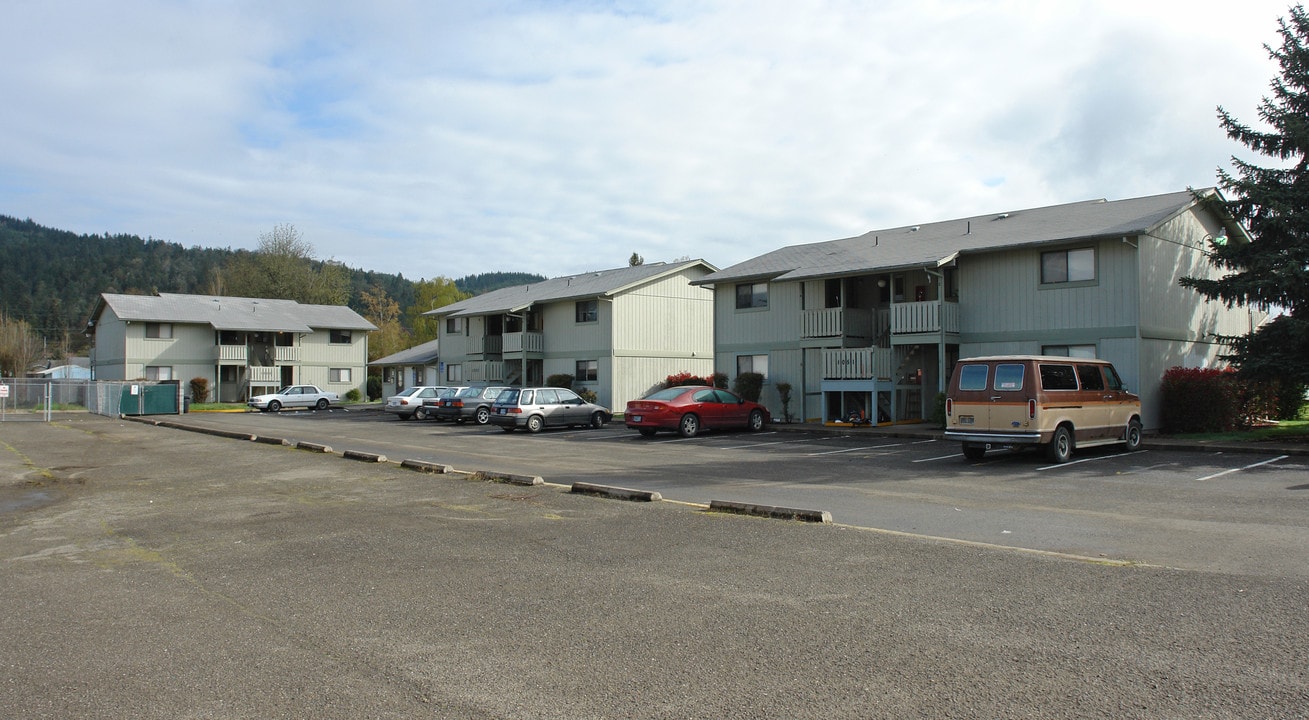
[454,138]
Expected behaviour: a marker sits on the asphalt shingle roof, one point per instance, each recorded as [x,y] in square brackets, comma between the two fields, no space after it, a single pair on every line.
[232,313]
[938,243]
[423,354]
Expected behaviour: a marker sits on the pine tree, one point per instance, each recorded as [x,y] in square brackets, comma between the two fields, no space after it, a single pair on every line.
[1272,271]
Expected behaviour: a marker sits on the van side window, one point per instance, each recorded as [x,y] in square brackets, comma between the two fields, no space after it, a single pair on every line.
[1009,377]
[1090,377]
[1058,377]
[972,377]
[1115,382]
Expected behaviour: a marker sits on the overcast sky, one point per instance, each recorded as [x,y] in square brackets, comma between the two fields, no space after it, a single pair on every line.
[440,139]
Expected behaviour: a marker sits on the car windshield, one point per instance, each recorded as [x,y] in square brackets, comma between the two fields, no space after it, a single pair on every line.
[408,392]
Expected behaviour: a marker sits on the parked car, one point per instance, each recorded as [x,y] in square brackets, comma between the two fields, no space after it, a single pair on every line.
[1056,403]
[539,408]
[408,403]
[688,409]
[291,396]
[470,403]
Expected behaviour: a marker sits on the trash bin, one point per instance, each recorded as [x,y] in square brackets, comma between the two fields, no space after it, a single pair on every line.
[186,405]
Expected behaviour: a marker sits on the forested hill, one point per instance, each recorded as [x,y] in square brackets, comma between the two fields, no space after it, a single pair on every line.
[51,278]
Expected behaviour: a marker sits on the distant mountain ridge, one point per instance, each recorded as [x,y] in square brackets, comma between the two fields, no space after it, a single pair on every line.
[51,278]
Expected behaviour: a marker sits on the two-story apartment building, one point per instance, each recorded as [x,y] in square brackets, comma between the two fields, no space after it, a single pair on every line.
[872,325]
[243,346]
[617,332]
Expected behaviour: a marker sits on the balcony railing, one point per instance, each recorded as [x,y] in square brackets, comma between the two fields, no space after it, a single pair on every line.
[265,375]
[286,354]
[484,371]
[857,363]
[925,317]
[837,322]
[232,353]
[518,342]
[485,345]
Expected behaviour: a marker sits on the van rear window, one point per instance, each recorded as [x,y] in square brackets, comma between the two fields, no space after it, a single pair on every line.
[972,377]
[1058,377]
[1009,377]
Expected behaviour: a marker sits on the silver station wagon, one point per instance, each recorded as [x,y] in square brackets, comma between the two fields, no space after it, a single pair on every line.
[538,408]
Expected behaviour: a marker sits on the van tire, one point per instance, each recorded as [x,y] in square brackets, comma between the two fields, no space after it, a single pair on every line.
[974,452]
[1060,449]
[1133,436]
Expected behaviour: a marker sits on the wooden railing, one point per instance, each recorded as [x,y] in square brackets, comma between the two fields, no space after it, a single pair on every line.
[837,322]
[517,342]
[857,363]
[484,371]
[485,345]
[924,317]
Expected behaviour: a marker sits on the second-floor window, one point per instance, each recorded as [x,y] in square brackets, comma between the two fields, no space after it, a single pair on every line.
[339,337]
[454,326]
[588,311]
[159,330]
[751,295]
[1064,266]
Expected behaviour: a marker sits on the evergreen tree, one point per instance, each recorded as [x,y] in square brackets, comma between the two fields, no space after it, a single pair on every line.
[1272,271]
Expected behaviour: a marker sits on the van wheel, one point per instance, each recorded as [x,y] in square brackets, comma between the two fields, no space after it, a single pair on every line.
[1133,436]
[974,452]
[1060,448]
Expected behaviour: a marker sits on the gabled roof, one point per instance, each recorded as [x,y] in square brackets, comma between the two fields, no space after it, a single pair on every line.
[605,283]
[229,313]
[424,354]
[938,244]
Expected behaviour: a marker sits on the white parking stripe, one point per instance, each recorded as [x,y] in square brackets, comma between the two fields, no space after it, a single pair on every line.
[943,457]
[850,450]
[1092,459]
[1247,467]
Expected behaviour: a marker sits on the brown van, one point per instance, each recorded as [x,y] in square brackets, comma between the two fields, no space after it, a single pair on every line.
[1058,403]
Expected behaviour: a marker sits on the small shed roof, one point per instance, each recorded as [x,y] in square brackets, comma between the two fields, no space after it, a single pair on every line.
[423,354]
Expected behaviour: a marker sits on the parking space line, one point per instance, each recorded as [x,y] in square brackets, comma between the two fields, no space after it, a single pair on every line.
[850,450]
[1092,459]
[1247,467]
[943,457]
[754,445]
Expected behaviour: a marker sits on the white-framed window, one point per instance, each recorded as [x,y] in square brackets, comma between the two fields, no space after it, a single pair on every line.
[588,311]
[338,375]
[162,331]
[158,373]
[751,295]
[1074,351]
[752,363]
[454,373]
[454,326]
[587,370]
[338,337]
[1067,266]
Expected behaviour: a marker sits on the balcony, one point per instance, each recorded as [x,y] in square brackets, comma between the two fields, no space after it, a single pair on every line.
[531,342]
[266,375]
[858,363]
[837,322]
[486,345]
[286,354]
[932,316]
[232,353]
[484,371]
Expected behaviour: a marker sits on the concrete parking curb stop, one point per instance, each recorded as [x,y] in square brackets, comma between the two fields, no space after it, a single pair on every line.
[363,456]
[617,493]
[425,466]
[271,440]
[313,447]
[508,478]
[770,511]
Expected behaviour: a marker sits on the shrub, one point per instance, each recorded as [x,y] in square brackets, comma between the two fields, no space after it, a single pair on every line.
[748,385]
[718,380]
[1199,400]
[938,411]
[374,387]
[587,395]
[199,389]
[784,396]
[563,380]
[353,395]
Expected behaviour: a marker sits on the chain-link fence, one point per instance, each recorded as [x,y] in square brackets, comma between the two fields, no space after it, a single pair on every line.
[38,399]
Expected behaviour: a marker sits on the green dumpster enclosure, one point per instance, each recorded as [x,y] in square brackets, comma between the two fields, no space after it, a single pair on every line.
[149,400]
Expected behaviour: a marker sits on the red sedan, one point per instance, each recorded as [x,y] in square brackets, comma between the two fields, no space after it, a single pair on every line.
[692,408]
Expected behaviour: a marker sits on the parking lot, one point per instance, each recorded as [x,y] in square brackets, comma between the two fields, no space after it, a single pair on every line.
[1232,512]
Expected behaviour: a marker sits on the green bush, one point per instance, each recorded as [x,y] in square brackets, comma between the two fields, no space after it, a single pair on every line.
[374,387]
[749,385]
[353,395]
[784,396]
[199,389]
[938,411]
[563,380]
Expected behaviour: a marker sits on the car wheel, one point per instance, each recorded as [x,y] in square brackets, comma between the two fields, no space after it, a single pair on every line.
[598,419]
[974,452]
[689,426]
[274,406]
[535,423]
[646,432]
[322,404]
[420,414]
[1060,448]
[1133,435]
[756,421]
[483,415]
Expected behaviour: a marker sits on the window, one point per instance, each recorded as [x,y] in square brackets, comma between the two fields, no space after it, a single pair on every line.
[752,363]
[1074,351]
[339,337]
[1090,377]
[751,295]
[454,373]
[158,373]
[547,397]
[338,375]
[454,326]
[587,370]
[972,378]
[1063,266]
[159,330]
[1058,377]
[1009,377]
[588,311]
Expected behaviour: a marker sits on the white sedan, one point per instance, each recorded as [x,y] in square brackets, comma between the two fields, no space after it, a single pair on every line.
[409,402]
[307,396]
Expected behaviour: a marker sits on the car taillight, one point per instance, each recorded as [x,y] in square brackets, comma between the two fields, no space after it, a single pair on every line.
[949,407]
[457,403]
[1031,409]
[515,410]
[404,402]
